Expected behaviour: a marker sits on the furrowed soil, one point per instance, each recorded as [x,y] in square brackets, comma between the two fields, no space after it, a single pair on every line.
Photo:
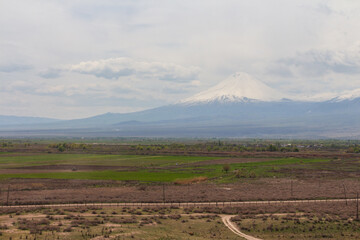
[35,191]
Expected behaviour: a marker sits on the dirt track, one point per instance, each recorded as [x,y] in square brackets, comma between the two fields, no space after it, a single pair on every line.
[183,204]
[229,224]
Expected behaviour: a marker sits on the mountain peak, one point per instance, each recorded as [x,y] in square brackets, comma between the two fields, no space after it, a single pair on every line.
[239,87]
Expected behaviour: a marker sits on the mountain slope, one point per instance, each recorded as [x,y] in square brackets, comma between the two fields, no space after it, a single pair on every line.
[16,120]
[240,87]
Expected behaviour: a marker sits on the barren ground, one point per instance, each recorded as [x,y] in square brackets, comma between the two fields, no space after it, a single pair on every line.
[24,191]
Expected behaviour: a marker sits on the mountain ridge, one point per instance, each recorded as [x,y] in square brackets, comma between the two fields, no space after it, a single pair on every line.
[14,120]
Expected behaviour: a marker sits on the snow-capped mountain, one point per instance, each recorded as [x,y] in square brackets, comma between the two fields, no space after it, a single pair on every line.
[239,87]
[239,106]
[242,87]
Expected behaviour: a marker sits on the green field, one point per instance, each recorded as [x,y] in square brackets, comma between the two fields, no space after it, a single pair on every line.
[96,159]
[145,168]
[142,176]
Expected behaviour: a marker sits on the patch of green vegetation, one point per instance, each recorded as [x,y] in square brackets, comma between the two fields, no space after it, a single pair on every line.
[97,159]
[154,168]
[263,169]
[142,176]
[283,161]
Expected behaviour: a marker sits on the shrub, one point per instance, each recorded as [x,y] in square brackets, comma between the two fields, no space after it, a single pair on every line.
[226,168]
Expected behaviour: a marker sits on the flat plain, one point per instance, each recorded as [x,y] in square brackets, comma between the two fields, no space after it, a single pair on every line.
[49,172]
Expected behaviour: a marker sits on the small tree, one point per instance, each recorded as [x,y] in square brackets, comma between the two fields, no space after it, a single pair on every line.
[226,168]
[272,148]
[61,148]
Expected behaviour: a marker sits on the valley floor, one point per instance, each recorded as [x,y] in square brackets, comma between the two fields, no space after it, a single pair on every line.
[89,173]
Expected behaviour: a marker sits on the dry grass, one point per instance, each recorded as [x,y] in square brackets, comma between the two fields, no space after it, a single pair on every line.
[110,223]
[190,180]
[64,191]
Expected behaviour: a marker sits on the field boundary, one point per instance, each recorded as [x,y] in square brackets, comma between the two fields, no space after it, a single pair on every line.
[184,204]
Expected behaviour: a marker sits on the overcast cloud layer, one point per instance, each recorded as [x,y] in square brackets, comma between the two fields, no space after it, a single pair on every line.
[72,59]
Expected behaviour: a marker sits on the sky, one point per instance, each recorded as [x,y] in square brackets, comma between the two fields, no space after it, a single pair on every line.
[70,59]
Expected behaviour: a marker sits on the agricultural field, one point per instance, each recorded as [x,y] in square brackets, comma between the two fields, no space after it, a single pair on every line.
[47,176]
[144,168]
[86,173]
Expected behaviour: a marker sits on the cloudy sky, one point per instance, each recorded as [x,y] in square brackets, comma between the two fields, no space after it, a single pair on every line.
[72,59]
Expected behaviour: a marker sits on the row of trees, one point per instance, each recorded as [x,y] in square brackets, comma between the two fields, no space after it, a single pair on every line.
[213,147]
[354,149]
[68,146]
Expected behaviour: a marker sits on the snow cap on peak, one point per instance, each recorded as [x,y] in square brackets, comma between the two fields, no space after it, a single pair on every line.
[239,87]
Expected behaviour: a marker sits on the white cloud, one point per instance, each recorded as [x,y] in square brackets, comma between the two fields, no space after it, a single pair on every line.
[115,68]
[320,63]
[149,53]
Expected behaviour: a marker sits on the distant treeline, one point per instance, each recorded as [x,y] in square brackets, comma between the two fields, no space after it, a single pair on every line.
[68,146]
[216,147]
[192,145]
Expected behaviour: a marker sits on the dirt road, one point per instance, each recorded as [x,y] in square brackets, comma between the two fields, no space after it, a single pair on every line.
[182,204]
[228,223]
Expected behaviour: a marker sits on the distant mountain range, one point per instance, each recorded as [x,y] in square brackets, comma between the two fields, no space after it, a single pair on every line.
[240,106]
[15,120]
